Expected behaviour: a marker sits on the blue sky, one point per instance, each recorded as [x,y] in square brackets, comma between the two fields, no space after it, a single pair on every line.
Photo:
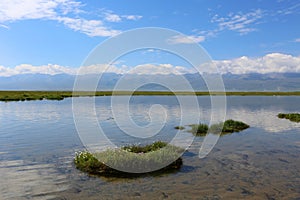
[238,35]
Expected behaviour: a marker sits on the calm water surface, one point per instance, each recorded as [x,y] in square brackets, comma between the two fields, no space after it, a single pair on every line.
[38,141]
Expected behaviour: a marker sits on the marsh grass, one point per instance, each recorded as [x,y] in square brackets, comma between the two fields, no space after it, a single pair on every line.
[229,126]
[199,129]
[294,117]
[60,95]
[133,158]
[33,95]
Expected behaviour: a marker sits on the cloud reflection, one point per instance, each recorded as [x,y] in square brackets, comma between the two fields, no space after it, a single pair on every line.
[20,180]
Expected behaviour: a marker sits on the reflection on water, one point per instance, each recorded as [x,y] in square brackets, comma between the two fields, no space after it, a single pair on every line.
[264,119]
[38,140]
[21,180]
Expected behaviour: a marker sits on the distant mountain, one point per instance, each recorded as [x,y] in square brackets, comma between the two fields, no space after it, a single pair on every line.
[232,82]
[262,82]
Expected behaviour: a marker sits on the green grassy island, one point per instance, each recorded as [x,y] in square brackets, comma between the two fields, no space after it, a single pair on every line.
[229,126]
[294,117]
[60,95]
[136,157]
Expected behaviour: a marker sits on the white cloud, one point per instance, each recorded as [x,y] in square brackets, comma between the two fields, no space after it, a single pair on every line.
[63,11]
[289,8]
[181,39]
[132,17]
[100,68]
[163,69]
[297,40]
[112,17]
[12,10]
[4,26]
[89,27]
[29,69]
[240,22]
[274,62]
[95,69]
[270,63]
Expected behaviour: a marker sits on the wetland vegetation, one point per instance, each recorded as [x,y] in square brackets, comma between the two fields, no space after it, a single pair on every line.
[229,126]
[140,158]
[294,117]
[60,95]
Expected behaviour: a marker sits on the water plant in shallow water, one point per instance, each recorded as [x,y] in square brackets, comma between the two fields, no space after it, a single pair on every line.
[179,127]
[132,158]
[229,126]
[199,129]
[294,117]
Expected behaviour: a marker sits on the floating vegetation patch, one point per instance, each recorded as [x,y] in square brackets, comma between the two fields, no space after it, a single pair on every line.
[199,129]
[134,158]
[294,117]
[229,126]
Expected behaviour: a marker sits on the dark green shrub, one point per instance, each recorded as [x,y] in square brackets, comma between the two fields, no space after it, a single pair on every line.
[294,117]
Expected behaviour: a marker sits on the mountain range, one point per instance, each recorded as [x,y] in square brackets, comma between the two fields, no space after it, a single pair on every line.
[232,82]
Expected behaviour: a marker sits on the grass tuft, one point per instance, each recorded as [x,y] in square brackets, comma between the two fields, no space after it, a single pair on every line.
[229,126]
[199,129]
[139,158]
[294,117]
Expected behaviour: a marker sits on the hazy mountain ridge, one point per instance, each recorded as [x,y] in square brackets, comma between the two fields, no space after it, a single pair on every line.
[232,82]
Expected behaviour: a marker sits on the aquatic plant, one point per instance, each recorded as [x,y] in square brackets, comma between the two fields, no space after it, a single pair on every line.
[199,129]
[179,127]
[294,117]
[229,126]
[134,157]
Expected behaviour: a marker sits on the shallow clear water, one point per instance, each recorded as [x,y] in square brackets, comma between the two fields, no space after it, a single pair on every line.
[38,140]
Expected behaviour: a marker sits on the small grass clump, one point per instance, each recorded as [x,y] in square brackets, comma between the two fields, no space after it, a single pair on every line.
[294,117]
[229,126]
[145,149]
[133,157]
[199,129]
[179,127]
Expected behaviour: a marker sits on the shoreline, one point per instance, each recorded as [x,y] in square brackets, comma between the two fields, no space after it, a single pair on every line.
[60,95]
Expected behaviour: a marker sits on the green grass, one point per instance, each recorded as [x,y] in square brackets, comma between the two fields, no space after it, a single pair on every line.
[229,126]
[60,95]
[139,158]
[145,149]
[294,117]
[33,95]
[199,129]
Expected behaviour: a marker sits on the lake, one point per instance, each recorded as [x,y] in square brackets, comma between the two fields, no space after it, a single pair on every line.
[38,141]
